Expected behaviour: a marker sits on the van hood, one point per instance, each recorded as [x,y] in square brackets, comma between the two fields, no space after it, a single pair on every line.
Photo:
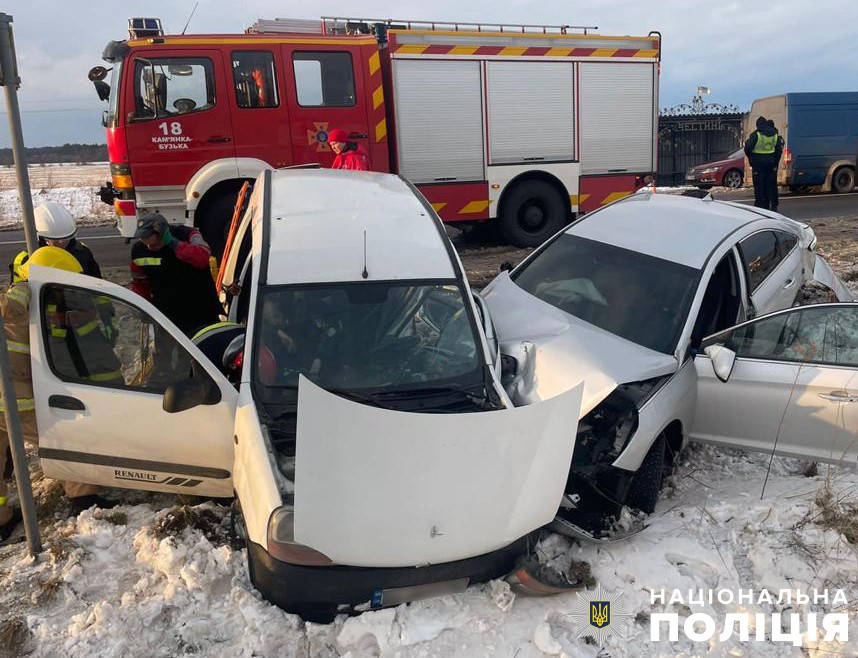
[556,351]
[382,488]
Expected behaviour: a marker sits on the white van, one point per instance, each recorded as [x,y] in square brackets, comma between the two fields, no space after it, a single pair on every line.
[358,313]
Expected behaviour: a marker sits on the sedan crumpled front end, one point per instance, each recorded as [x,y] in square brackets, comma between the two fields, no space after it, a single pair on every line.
[547,351]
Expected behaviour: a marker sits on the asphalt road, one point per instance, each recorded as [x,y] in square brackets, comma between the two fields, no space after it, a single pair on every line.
[803,208]
[111,251]
[107,245]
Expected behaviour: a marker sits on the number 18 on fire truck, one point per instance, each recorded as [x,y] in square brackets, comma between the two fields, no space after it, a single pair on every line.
[522,125]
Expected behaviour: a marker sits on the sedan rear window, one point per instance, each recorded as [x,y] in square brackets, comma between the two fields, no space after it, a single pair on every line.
[637,297]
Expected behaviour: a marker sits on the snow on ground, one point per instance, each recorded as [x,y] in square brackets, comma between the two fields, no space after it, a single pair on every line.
[112,584]
[71,185]
[82,202]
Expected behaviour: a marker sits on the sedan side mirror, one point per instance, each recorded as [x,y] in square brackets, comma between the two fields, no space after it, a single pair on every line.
[723,360]
[506,266]
[189,393]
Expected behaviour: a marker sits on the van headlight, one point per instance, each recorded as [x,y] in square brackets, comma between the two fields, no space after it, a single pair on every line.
[281,540]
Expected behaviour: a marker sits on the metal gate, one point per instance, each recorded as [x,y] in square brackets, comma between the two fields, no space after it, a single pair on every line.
[688,140]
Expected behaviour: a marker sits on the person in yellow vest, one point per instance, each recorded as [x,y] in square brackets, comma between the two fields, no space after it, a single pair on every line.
[763,148]
[15,307]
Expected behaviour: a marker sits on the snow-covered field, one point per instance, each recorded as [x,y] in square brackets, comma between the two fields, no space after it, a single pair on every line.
[58,175]
[73,186]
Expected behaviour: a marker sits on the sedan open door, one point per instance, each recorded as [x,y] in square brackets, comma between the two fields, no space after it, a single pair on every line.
[123,398]
[786,382]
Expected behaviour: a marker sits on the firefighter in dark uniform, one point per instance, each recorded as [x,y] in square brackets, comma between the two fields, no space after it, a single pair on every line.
[763,148]
[170,267]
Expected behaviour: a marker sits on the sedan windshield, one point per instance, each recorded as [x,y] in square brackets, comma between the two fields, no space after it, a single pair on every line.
[366,337]
[635,296]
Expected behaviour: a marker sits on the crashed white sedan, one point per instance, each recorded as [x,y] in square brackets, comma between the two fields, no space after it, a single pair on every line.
[623,299]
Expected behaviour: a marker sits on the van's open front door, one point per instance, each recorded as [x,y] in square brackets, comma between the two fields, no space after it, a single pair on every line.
[103,358]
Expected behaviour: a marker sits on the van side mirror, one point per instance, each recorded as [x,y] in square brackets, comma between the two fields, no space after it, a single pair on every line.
[189,393]
[723,360]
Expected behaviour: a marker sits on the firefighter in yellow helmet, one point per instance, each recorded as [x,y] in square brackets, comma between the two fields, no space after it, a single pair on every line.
[73,329]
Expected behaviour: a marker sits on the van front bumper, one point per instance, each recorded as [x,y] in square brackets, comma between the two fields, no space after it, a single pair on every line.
[319,593]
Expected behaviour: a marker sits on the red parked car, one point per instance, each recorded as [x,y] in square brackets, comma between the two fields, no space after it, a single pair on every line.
[729,172]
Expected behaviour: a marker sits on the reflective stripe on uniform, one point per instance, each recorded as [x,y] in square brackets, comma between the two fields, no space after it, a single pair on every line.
[3,501]
[57,332]
[24,404]
[104,376]
[143,262]
[219,325]
[18,348]
[20,294]
[87,328]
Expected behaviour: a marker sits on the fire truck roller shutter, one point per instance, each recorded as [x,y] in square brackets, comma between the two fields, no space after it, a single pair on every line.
[439,120]
[617,115]
[531,112]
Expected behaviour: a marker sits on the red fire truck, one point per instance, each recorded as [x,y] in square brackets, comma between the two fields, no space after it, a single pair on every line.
[524,125]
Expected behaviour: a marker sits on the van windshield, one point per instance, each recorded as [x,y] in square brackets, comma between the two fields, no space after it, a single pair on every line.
[365,337]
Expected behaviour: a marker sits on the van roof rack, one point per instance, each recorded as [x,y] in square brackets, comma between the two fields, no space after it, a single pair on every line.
[346,25]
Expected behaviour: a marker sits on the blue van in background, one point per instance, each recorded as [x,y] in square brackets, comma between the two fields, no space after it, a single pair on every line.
[820,132]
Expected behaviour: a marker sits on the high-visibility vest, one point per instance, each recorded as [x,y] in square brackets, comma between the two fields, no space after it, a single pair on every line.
[765,144]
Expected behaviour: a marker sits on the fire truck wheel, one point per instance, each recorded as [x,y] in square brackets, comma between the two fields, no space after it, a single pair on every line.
[213,219]
[531,212]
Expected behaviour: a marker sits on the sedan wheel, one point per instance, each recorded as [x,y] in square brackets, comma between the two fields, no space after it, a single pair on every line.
[643,494]
[733,179]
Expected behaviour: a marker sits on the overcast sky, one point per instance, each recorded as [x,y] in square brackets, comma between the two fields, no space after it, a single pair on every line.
[741,50]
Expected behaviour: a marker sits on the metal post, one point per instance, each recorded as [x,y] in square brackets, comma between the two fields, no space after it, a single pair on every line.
[10,80]
[16,442]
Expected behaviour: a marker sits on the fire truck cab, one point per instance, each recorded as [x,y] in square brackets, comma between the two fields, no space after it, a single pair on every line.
[526,125]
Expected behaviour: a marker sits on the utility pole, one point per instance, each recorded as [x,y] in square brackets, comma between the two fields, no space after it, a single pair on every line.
[10,81]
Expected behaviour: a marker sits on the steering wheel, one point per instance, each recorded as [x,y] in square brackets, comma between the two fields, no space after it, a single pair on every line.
[184,104]
[429,355]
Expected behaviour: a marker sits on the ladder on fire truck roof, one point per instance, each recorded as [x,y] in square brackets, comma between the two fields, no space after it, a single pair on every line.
[345,25]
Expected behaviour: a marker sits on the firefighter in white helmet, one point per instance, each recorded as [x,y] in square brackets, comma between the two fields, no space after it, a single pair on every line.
[56,227]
